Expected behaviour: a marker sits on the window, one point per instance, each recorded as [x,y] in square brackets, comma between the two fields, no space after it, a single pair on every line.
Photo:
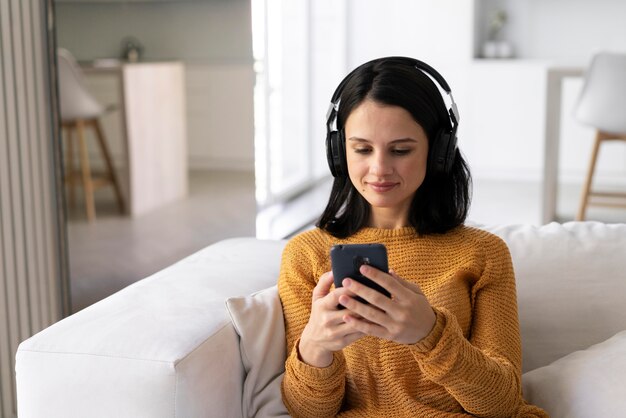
[300,56]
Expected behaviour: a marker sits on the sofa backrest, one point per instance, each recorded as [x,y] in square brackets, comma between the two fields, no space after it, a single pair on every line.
[571,286]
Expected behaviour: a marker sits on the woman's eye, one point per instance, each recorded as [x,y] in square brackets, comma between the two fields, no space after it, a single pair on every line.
[362,150]
[401,151]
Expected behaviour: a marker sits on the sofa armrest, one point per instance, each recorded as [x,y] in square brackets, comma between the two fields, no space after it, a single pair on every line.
[161,347]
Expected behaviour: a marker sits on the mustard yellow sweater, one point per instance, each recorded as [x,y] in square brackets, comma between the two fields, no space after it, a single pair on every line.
[470,363]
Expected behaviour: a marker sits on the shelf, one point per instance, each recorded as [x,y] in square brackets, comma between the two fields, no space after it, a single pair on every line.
[553,30]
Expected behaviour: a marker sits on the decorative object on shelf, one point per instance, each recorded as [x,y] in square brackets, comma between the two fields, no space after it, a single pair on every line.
[495,47]
[132,49]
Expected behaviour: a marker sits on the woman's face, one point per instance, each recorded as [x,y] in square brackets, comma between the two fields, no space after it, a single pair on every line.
[386,151]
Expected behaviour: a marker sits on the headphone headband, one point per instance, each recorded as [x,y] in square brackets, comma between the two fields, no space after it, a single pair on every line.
[420,65]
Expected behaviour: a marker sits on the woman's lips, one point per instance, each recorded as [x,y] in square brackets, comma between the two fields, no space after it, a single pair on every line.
[381,187]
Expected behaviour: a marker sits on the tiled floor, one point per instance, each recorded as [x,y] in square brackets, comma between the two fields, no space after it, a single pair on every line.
[115,251]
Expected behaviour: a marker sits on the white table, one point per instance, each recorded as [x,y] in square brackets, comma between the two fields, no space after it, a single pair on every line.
[154,131]
[554,86]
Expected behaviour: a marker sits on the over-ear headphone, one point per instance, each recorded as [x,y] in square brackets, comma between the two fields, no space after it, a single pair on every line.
[442,147]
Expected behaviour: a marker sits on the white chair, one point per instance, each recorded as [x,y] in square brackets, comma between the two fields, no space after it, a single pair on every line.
[602,105]
[79,109]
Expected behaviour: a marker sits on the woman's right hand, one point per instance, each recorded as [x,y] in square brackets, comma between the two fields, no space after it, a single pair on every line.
[326,331]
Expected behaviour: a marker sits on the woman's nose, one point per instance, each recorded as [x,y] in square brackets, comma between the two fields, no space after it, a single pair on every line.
[380,165]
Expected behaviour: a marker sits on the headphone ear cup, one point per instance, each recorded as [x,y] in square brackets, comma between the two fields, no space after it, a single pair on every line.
[342,162]
[442,153]
[336,153]
[330,141]
[451,151]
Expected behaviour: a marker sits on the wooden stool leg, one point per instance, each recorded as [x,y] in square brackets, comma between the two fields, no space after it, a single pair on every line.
[584,200]
[86,171]
[109,164]
[69,165]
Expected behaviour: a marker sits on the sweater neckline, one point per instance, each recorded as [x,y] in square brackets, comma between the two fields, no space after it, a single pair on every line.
[386,232]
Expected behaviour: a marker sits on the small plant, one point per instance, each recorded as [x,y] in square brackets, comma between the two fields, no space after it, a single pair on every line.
[496,23]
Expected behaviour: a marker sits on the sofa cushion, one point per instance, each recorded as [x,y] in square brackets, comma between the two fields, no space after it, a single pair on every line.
[258,320]
[587,383]
[571,282]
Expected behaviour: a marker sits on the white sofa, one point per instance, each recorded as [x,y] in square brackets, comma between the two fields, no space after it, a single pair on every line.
[166,346]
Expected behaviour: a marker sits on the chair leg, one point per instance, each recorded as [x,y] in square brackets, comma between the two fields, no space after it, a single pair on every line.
[86,171]
[584,200]
[109,164]
[69,165]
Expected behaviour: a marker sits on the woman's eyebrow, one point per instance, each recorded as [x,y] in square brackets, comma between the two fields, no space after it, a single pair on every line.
[357,139]
[395,141]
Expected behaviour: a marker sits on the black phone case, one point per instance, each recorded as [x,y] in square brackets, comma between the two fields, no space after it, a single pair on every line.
[346,260]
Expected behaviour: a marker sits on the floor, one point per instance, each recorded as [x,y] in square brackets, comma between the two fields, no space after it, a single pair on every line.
[506,202]
[114,251]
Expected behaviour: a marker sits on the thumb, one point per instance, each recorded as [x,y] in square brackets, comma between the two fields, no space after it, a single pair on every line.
[323,286]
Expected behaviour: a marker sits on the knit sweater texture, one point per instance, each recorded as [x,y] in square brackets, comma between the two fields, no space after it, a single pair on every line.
[469,364]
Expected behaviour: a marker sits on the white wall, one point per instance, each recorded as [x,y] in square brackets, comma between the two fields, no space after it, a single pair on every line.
[207,30]
[214,40]
[435,31]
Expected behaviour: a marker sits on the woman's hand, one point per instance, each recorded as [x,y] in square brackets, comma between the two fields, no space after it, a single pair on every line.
[406,318]
[326,331]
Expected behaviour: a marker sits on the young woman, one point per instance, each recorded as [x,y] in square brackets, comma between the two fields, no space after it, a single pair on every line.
[446,344]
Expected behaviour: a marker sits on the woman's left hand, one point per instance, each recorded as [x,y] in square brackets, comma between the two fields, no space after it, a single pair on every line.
[405,318]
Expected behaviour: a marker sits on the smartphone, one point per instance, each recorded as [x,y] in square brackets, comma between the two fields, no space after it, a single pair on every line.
[347,259]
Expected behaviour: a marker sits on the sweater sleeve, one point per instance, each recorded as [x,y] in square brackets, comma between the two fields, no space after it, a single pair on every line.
[483,372]
[307,391]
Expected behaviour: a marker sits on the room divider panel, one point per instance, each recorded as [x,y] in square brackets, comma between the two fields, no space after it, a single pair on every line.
[34,290]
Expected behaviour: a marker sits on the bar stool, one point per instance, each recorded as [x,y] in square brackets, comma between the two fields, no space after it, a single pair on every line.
[602,105]
[79,110]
